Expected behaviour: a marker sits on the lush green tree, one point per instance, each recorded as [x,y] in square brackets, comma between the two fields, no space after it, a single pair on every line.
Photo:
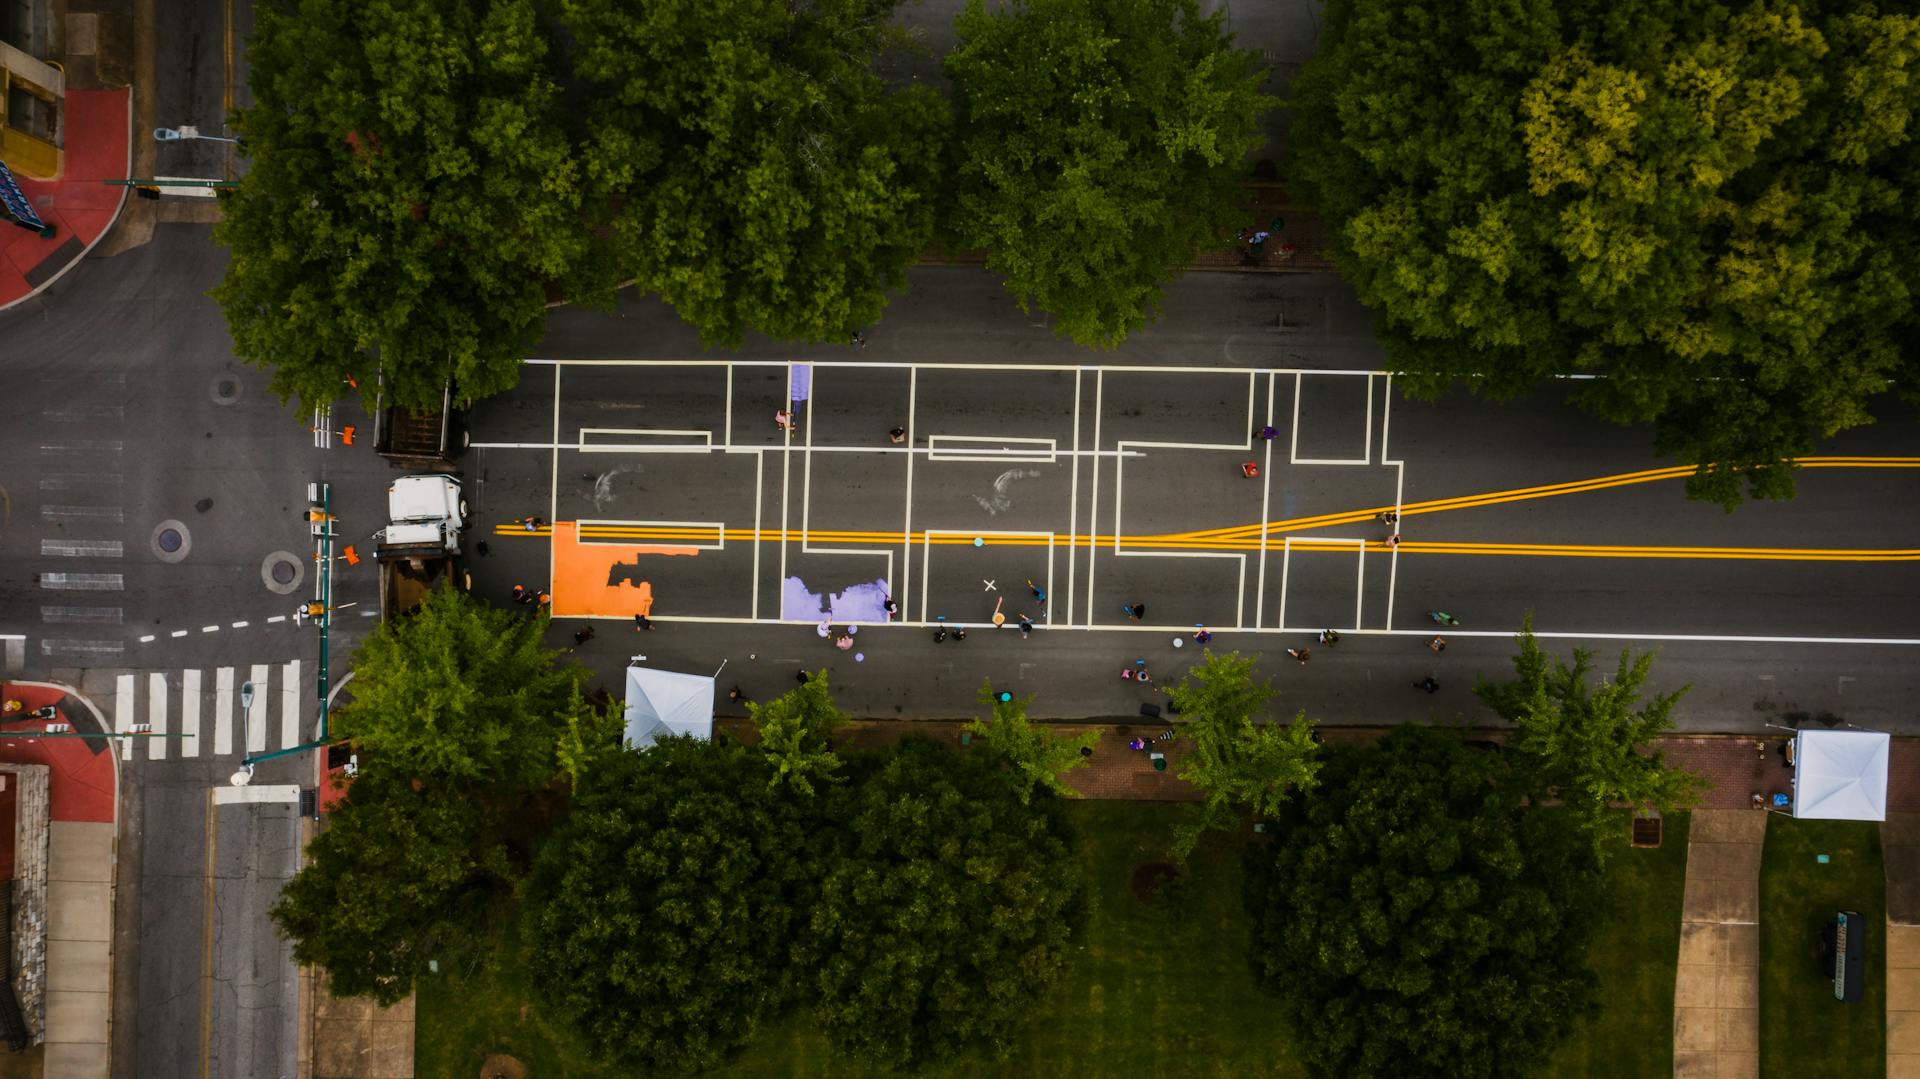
[1589,747]
[1237,761]
[1416,921]
[411,193]
[796,730]
[403,874]
[948,914]
[466,693]
[759,175]
[1711,206]
[658,918]
[1038,757]
[1102,145]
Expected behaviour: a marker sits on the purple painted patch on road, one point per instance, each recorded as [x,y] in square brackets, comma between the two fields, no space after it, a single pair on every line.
[859,603]
[802,381]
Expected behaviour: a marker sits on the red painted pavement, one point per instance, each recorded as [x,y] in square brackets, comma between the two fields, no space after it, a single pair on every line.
[80,781]
[82,206]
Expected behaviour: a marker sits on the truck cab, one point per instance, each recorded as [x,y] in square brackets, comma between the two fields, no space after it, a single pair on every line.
[425,516]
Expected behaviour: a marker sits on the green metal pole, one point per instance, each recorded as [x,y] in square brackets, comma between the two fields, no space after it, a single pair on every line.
[326,621]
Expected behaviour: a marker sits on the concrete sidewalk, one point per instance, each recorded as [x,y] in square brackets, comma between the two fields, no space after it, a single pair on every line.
[1900,852]
[1716,1000]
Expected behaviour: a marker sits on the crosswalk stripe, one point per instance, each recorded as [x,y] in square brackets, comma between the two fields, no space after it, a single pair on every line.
[290,706]
[123,713]
[157,715]
[58,548]
[223,711]
[190,713]
[257,715]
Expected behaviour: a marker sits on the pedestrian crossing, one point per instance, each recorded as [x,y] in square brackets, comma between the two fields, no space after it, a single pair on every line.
[178,708]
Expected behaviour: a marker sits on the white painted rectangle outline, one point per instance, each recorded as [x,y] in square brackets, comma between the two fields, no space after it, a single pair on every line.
[690,441]
[1050,456]
[718,529]
[926,561]
[1366,442]
[1359,544]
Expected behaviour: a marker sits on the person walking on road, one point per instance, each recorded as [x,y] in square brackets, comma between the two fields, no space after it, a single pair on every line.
[641,622]
[519,593]
[1329,637]
[582,635]
[1301,654]
[1443,618]
[1428,684]
[892,608]
[1201,634]
[1134,611]
[1026,626]
[1438,644]
[783,419]
[897,435]
[1039,594]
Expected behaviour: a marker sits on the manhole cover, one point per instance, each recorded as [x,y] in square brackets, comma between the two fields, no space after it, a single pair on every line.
[225,389]
[282,572]
[171,541]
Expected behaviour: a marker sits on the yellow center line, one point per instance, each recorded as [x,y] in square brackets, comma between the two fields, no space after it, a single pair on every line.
[1250,537]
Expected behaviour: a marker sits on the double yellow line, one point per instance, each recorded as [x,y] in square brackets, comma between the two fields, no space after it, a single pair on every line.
[1251,537]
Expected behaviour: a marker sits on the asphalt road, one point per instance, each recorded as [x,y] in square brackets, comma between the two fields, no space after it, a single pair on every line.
[130,417]
[1770,616]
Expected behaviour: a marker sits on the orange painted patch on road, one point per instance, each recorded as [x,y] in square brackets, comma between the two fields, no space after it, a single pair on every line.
[602,578]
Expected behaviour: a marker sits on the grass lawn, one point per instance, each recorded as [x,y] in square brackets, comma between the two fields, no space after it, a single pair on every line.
[1635,952]
[1804,1032]
[1159,989]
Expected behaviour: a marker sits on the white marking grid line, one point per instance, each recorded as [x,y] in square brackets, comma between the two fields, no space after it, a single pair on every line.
[223,712]
[1381,379]
[190,713]
[926,568]
[806,498]
[123,712]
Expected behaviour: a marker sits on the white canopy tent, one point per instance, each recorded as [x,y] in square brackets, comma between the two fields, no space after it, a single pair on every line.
[1840,775]
[664,703]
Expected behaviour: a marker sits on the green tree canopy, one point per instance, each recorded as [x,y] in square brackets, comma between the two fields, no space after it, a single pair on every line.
[761,176]
[401,875]
[659,916]
[796,729]
[1709,205]
[949,913]
[1589,747]
[411,193]
[1101,145]
[1416,921]
[465,693]
[1237,761]
[1037,757]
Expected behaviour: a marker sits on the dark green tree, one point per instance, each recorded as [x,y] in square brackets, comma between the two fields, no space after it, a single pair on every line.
[948,914]
[466,693]
[759,175]
[1037,757]
[1417,921]
[796,730]
[659,917]
[1237,761]
[1710,206]
[401,875]
[1102,145]
[1588,747]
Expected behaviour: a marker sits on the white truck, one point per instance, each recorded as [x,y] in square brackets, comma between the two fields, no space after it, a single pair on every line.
[421,543]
